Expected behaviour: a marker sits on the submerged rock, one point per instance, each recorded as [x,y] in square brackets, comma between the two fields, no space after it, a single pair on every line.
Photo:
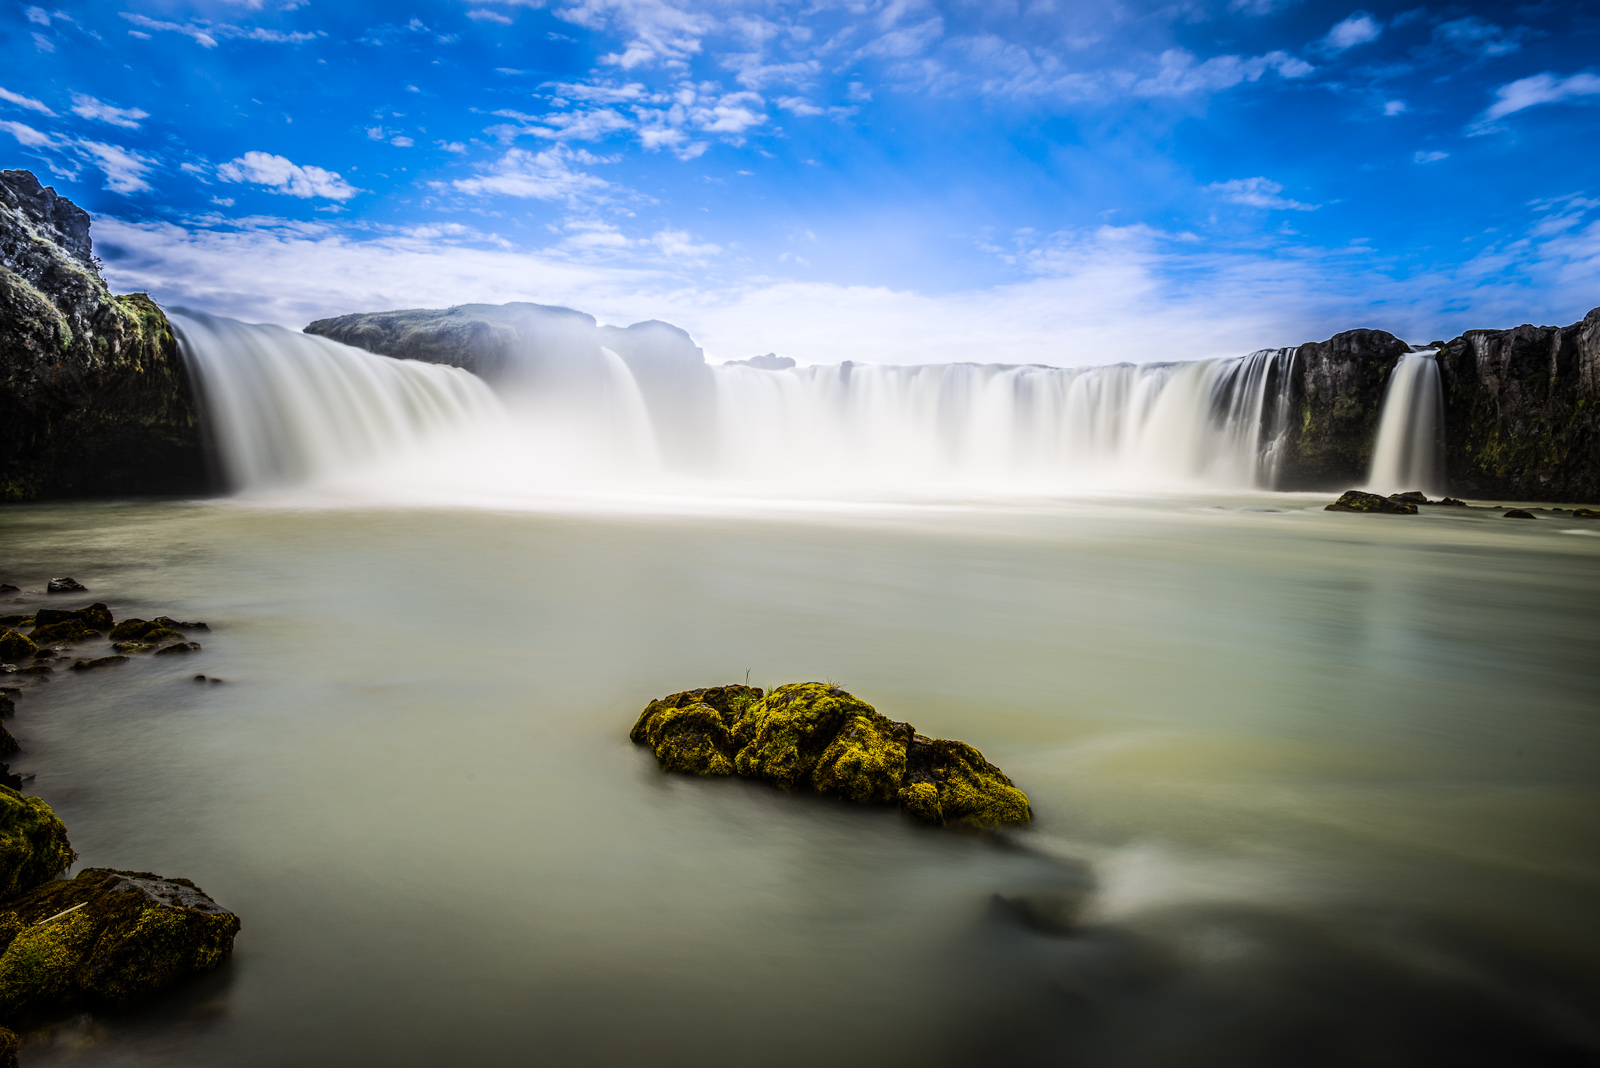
[1585,513]
[1357,501]
[173,624]
[100,662]
[1518,513]
[180,647]
[105,939]
[1450,502]
[812,736]
[33,843]
[149,631]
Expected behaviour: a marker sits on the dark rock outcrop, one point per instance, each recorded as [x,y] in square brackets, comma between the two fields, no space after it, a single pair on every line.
[94,396]
[105,939]
[1336,391]
[815,737]
[1522,411]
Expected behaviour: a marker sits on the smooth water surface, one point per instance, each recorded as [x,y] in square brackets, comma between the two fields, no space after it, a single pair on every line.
[1310,788]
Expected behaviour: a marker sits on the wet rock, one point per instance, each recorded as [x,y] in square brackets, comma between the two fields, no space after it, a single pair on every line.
[8,706]
[15,646]
[1450,502]
[8,780]
[96,615]
[179,647]
[1357,501]
[73,630]
[8,744]
[151,632]
[34,669]
[66,585]
[45,654]
[819,738]
[173,624]
[130,647]
[1585,513]
[33,843]
[10,1045]
[99,662]
[16,621]
[1518,513]
[1414,496]
[106,939]
[6,587]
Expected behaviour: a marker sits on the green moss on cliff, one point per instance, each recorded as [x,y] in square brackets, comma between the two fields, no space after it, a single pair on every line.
[33,843]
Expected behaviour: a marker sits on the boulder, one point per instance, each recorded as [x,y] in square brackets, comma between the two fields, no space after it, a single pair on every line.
[106,939]
[96,615]
[173,624]
[100,662]
[1413,496]
[65,585]
[95,399]
[8,744]
[178,648]
[818,738]
[1357,501]
[1585,513]
[33,843]
[1518,513]
[73,630]
[15,646]
[149,631]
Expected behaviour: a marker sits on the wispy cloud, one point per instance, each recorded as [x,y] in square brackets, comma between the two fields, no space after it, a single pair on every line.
[1357,29]
[90,108]
[1539,89]
[546,175]
[124,169]
[25,102]
[1258,193]
[280,175]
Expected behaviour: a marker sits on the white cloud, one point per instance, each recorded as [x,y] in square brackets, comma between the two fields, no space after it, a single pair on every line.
[1430,157]
[798,105]
[401,142]
[680,245]
[1474,36]
[546,175]
[90,108]
[485,15]
[283,176]
[30,137]
[1358,29]
[1258,193]
[39,16]
[124,169]
[1180,75]
[1539,89]
[25,102]
[1394,107]
[200,36]
[43,43]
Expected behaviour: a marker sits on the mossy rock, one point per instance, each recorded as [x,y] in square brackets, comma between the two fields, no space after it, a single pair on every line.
[15,646]
[72,630]
[815,737]
[178,649]
[99,662]
[8,744]
[16,621]
[96,615]
[10,1046]
[1357,501]
[149,631]
[105,940]
[33,843]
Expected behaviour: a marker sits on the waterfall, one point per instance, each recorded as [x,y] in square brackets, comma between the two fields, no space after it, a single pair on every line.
[1217,422]
[285,408]
[288,409]
[1408,452]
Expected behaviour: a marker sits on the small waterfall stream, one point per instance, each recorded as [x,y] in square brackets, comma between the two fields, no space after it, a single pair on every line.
[1409,451]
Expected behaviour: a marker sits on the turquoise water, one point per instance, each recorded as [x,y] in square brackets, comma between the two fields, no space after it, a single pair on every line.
[1310,788]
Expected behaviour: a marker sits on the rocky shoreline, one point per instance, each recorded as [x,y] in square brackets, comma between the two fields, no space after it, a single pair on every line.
[96,400]
[105,939]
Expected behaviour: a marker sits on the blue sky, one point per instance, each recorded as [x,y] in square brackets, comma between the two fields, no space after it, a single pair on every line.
[896,180]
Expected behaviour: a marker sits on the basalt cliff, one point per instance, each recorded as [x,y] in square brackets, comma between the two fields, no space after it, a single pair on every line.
[94,397]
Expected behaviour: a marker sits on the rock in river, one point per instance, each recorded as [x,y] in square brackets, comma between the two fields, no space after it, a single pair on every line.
[1357,501]
[33,843]
[104,940]
[816,737]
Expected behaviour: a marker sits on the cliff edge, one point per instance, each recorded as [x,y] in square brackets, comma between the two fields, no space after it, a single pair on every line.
[94,396]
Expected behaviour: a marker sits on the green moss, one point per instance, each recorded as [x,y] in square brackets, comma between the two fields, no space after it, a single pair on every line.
[816,737]
[73,630]
[33,843]
[9,1047]
[131,934]
[15,646]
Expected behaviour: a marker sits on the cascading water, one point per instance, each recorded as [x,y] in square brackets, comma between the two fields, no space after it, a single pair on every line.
[288,408]
[1409,449]
[1017,428]
[285,408]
